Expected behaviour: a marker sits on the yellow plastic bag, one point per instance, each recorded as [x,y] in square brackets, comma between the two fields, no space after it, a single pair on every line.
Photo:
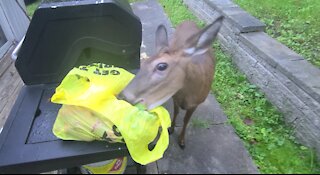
[82,124]
[95,88]
[114,166]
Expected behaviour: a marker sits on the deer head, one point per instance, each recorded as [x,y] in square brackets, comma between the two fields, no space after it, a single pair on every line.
[164,74]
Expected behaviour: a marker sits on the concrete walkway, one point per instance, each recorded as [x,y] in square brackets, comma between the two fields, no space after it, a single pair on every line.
[212,145]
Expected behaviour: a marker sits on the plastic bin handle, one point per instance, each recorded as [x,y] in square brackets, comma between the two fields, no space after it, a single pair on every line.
[15,52]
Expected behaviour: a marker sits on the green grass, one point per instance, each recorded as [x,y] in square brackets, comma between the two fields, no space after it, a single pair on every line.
[255,120]
[258,123]
[295,23]
[32,7]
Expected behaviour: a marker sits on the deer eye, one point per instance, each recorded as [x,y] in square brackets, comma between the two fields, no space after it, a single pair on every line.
[162,66]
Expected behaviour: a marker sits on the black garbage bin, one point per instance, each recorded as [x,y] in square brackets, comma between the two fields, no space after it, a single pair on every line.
[63,35]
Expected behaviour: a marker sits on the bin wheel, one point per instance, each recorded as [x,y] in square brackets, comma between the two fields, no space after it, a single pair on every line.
[73,170]
[141,169]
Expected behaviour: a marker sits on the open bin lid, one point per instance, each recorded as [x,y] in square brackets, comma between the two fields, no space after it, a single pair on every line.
[63,35]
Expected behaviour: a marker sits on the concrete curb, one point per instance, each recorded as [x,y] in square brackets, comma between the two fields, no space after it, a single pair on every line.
[288,80]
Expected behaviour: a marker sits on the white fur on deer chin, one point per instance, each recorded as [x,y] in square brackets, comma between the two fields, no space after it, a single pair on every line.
[160,102]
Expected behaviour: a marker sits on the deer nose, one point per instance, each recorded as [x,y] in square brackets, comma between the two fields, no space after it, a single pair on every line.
[121,97]
[128,97]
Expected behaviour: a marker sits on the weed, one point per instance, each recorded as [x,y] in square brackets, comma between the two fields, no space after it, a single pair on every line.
[200,123]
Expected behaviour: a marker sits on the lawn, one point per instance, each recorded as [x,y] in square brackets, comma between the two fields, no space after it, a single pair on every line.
[295,23]
[255,120]
[32,7]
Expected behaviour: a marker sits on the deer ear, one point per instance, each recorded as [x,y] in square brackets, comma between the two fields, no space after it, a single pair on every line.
[161,38]
[200,42]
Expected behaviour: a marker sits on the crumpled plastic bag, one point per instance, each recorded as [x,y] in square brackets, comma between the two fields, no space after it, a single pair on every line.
[91,91]
[83,124]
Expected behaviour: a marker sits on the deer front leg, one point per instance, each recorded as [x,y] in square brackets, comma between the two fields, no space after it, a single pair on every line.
[186,121]
[175,114]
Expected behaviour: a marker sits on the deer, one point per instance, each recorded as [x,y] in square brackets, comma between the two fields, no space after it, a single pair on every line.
[183,70]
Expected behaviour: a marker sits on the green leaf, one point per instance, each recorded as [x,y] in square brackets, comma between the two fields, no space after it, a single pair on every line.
[303,148]
[141,107]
